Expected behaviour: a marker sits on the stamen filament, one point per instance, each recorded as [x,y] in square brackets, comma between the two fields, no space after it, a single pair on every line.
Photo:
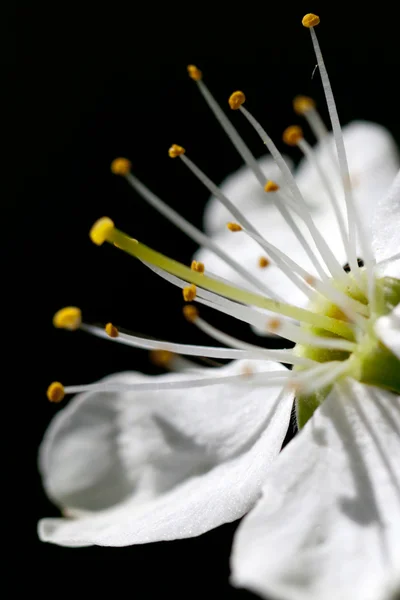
[139,250]
[353,218]
[244,222]
[349,306]
[272,378]
[198,236]
[309,382]
[253,165]
[197,350]
[310,155]
[323,248]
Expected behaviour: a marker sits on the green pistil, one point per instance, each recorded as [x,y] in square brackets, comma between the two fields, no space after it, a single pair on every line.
[337,326]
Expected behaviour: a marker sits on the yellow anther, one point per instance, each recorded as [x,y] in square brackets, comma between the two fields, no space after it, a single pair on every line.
[189,293]
[292,135]
[190,313]
[310,20]
[234,227]
[310,280]
[263,262]
[236,100]
[55,392]
[111,330]
[273,324]
[197,266]
[194,72]
[302,104]
[161,358]
[175,151]
[121,166]
[69,317]
[271,186]
[101,231]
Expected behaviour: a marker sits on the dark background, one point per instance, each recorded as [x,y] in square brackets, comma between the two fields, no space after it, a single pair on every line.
[104,82]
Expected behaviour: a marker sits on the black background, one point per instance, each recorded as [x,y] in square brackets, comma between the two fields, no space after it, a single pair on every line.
[104,82]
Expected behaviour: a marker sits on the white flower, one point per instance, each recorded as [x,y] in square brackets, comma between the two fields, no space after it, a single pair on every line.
[137,459]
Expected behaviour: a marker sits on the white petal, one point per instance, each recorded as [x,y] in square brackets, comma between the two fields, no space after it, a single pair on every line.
[373,163]
[388,330]
[328,524]
[243,189]
[160,465]
[386,226]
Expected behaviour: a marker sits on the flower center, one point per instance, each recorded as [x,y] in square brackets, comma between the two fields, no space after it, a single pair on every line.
[369,362]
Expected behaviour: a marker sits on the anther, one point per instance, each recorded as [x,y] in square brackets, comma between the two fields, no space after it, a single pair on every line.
[69,317]
[273,324]
[55,392]
[234,227]
[111,330]
[189,293]
[101,231]
[161,358]
[236,100]
[190,313]
[263,262]
[292,135]
[302,104]
[194,73]
[175,151]
[271,186]
[197,266]
[310,20]
[121,166]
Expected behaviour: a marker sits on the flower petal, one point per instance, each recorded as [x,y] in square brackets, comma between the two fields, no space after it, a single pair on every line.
[141,467]
[386,227]
[388,330]
[373,163]
[328,524]
[244,191]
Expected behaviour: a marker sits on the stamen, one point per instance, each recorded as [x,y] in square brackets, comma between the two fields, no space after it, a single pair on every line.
[292,135]
[161,358]
[190,313]
[197,266]
[121,166]
[55,392]
[111,330]
[101,231]
[69,317]
[194,73]
[266,378]
[144,253]
[263,262]
[310,20]
[310,384]
[175,151]
[323,248]
[254,166]
[198,236]
[353,217]
[270,186]
[172,362]
[189,293]
[234,227]
[303,104]
[203,351]
[310,155]
[306,107]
